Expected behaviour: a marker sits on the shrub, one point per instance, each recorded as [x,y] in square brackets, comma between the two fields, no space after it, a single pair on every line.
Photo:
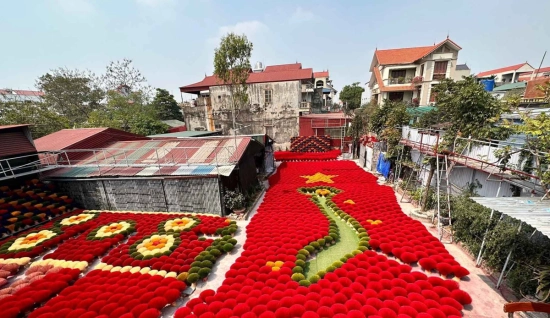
[321,273]
[303,252]
[331,268]
[300,263]
[298,269]
[207,263]
[304,283]
[215,252]
[309,248]
[301,257]
[321,242]
[315,245]
[194,270]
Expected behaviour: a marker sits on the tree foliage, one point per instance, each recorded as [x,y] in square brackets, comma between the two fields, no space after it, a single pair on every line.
[71,93]
[387,121]
[351,96]
[469,110]
[73,98]
[166,106]
[43,120]
[361,120]
[232,66]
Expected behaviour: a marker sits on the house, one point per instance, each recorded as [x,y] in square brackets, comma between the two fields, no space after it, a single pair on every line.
[508,74]
[329,124]
[178,174]
[277,96]
[408,74]
[500,91]
[462,70]
[17,152]
[533,95]
[541,72]
[16,95]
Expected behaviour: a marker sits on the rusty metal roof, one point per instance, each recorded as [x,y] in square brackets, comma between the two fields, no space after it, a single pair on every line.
[83,138]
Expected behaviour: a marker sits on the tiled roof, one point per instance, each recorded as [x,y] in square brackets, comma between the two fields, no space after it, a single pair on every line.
[283,67]
[531,90]
[526,76]
[276,73]
[320,74]
[408,55]
[82,138]
[21,92]
[506,69]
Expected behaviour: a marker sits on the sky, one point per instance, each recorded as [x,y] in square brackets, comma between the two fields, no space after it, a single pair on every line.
[172,42]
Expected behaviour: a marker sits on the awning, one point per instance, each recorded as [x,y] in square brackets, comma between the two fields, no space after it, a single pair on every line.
[532,211]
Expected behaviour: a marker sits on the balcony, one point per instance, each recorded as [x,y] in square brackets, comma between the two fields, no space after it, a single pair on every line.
[305,105]
[438,76]
[307,88]
[399,80]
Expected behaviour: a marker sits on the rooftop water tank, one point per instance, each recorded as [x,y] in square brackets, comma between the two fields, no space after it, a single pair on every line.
[259,67]
[488,84]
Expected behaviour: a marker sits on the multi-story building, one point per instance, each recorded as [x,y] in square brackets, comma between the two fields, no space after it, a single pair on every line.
[15,95]
[277,96]
[508,74]
[408,74]
[541,72]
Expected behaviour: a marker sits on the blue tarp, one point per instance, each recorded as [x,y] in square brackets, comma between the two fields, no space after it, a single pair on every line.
[383,165]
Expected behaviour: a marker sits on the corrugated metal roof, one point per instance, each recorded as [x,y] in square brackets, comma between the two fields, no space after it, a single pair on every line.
[13,126]
[532,211]
[15,142]
[184,134]
[83,138]
[510,86]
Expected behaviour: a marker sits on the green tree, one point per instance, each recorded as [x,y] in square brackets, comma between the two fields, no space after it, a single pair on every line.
[43,121]
[360,122]
[387,121]
[232,67]
[469,109]
[122,74]
[351,96]
[166,106]
[71,93]
[128,112]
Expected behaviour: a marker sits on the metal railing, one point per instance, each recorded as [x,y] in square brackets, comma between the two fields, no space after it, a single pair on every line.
[119,157]
[400,80]
[438,76]
[478,154]
[305,105]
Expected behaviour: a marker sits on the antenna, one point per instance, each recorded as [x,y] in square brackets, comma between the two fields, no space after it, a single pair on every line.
[540,65]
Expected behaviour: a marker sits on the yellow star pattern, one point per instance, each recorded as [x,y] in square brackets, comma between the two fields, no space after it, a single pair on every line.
[319,177]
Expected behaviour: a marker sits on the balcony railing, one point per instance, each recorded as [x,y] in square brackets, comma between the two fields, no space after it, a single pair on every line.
[305,105]
[399,80]
[438,77]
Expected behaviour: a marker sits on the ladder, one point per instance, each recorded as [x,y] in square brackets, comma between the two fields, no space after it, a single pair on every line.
[444,218]
[414,179]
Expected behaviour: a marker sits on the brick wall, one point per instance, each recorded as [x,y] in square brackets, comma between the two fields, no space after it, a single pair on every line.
[199,195]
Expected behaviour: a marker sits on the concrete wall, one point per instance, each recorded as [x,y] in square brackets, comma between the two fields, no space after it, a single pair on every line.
[195,117]
[278,119]
[199,195]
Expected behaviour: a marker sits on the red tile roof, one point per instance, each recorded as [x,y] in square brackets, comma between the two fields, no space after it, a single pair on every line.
[83,138]
[526,76]
[531,90]
[408,55]
[21,92]
[283,67]
[509,69]
[320,74]
[276,73]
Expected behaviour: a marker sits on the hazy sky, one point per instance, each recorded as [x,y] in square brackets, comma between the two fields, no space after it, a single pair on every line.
[172,41]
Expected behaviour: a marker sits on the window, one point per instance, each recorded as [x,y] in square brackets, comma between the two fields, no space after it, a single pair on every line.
[440,67]
[422,70]
[267,96]
[432,95]
[319,84]
[397,73]
[218,126]
[396,96]
[333,132]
